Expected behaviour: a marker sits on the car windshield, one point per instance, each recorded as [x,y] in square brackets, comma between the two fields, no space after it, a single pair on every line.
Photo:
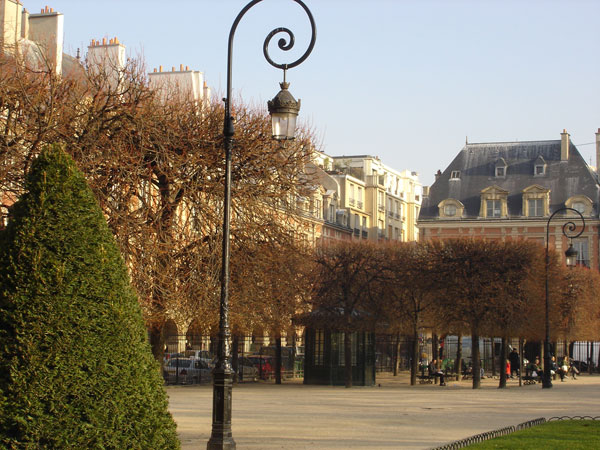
[177,362]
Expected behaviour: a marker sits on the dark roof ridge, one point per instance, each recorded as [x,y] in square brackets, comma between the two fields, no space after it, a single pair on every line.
[494,144]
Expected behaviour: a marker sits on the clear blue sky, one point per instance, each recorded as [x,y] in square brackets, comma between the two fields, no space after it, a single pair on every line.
[404,80]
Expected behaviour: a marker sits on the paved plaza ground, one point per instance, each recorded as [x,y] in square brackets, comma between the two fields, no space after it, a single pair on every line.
[390,415]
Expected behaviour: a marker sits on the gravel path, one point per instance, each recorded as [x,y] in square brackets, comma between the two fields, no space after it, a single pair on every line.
[390,415]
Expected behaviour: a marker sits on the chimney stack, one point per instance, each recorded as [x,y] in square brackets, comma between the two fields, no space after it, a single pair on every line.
[564,146]
[25,24]
[47,30]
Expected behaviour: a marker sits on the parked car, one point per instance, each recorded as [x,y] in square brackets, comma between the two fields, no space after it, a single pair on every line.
[246,370]
[186,371]
[203,355]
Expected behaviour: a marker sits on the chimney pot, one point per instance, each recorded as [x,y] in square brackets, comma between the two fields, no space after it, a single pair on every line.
[160,68]
[104,41]
[46,9]
[187,68]
[155,70]
[51,9]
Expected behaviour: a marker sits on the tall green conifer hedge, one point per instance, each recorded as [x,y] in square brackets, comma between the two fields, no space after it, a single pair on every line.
[76,371]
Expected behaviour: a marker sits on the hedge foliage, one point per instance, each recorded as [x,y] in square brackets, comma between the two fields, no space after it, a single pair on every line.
[76,371]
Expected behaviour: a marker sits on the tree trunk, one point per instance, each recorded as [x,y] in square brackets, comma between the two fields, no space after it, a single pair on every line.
[235,359]
[475,360]
[494,358]
[396,354]
[458,364]
[293,354]
[157,342]
[278,359]
[521,346]
[414,357]
[434,352]
[348,359]
[503,358]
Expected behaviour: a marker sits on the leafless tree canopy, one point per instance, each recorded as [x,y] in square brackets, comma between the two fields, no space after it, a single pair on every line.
[156,165]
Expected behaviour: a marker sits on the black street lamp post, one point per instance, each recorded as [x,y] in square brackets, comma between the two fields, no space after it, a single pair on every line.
[284,110]
[569,230]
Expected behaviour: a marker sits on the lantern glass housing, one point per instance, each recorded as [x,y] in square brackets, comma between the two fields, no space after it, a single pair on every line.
[571,256]
[284,112]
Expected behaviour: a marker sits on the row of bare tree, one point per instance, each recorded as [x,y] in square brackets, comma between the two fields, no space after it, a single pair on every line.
[155,161]
[461,287]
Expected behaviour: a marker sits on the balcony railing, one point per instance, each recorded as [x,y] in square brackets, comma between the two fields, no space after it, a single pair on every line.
[351,201]
[356,232]
[381,208]
[365,234]
[359,204]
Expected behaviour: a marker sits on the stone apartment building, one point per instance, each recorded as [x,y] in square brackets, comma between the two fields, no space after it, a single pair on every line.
[382,203]
[508,190]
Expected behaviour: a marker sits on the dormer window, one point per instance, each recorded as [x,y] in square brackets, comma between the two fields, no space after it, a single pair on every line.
[493,202]
[580,203]
[536,201]
[455,175]
[500,168]
[493,208]
[451,209]
[539,167]
[579,207]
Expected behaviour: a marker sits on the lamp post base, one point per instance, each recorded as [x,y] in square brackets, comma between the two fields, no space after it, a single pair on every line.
[221,437]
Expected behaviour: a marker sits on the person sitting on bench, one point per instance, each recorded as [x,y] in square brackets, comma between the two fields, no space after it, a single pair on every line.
[434,371]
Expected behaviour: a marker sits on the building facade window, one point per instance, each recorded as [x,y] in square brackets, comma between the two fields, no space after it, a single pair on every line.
[500,168]
[579,207]
[583,256]
[450,210]
[536,201]
[539,167]
[535,207]
[494,208]
[455,175]
[493,202]
[319,347]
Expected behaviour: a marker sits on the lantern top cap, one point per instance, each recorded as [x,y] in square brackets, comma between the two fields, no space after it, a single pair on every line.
[284,101]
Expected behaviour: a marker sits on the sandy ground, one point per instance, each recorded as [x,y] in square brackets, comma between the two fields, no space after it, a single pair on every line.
[390,415]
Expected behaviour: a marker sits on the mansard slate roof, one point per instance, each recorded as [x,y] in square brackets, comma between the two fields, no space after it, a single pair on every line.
[477,162]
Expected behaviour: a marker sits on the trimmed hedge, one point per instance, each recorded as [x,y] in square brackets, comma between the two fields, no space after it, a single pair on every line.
[76,371]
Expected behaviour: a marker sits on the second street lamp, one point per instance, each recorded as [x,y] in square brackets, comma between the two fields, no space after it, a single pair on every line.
[569,230]
[284,110]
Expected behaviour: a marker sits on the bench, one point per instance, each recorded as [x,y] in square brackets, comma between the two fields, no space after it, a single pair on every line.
[528,379]
[425,379]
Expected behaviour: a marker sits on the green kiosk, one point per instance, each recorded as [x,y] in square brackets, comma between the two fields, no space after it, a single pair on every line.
[324,361]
